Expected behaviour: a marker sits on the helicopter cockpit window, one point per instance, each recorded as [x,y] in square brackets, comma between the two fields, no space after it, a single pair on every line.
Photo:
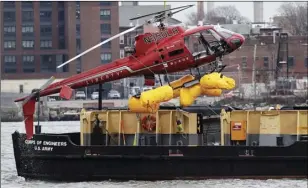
[202,42]
[210,35]
[224,32]
[194,43]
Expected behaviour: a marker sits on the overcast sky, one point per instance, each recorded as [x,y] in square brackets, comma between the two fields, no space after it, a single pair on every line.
[246,8]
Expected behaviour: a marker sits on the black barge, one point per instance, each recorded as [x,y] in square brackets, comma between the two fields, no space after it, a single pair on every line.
[196,142]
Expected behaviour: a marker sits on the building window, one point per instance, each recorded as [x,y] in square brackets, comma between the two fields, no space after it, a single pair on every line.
[77,4]
[78,66]
[46,44]
[46,4]
[130,40]
[290,61]
[9,17]
[78,45]
[27,4]
[122,53]
[107,45]
[106,57]
[8,4]
[122,39]
[9,30]
[105,28]
[62,43]
[61,16]
[105,3]
[78,30]
[10,65]
[244,62]
[265,61]
[77,14]
[306,62]
[105,14]
[28,63]
[27,30]
[45,15]
[61,30]
[61,58]
[46,30]
[47,65]
[28,43]
[27,16]
[9,44]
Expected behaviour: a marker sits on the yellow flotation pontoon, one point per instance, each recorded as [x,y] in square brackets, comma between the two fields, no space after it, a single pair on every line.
[135,105]
[157,95]
[178,84]
[210,85]
[217,81]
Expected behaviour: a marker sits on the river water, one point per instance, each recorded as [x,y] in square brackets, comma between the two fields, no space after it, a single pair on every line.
[10,179]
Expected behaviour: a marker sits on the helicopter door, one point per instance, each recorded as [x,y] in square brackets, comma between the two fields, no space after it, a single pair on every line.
[195,44]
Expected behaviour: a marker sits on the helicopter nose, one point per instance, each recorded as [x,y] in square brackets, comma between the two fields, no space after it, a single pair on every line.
[237,40]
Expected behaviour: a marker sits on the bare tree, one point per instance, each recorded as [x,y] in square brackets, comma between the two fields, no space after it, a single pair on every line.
[192,18]
[220,14]
[293,17]
[229,13]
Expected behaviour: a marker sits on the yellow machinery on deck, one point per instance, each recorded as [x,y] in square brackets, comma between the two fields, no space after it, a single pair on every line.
[124,122]
[178,127]
[264,128]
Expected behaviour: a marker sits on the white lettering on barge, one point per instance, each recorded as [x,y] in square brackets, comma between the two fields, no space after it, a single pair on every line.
[40,145]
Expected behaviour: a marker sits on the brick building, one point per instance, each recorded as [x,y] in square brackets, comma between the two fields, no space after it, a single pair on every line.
[266,58]
[38,36]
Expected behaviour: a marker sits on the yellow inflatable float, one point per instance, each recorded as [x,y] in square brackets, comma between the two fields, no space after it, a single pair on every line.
[135,105]
[217,81]
[210,85]
[157,95]
[177,84]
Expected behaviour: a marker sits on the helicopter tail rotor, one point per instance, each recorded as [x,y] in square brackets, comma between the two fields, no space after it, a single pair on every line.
[36,91]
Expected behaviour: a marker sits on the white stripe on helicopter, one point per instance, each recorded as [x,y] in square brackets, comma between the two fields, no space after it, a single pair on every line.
[120,69]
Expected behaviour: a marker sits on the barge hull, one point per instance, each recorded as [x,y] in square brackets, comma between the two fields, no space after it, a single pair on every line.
[71,162]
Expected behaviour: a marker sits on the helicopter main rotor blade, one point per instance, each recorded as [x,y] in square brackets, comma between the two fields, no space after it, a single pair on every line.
[159,12]
[98,45]
[49,81]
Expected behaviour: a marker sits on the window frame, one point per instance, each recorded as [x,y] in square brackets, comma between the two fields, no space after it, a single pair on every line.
[8,41]
[105,57]
[47,17]
[23,42]
[28,64]
[105,16]
[27,15]
[105,31]
[6,19]
[45,42]
[9,65]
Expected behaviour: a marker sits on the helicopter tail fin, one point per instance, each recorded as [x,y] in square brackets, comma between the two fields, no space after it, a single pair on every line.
[28,112]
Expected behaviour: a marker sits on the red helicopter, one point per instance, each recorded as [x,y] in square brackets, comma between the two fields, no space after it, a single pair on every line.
[171,49]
